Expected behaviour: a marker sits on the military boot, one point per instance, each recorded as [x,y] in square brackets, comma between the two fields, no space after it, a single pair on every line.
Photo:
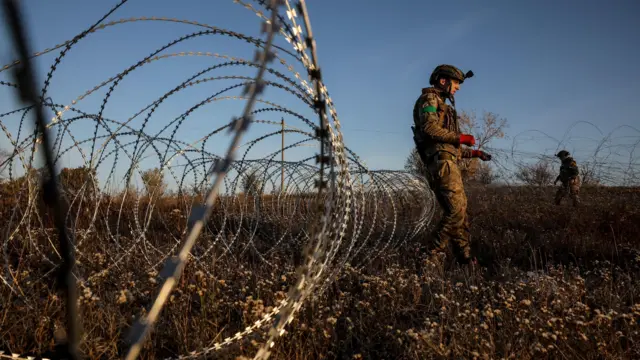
[576,201]
[462,254]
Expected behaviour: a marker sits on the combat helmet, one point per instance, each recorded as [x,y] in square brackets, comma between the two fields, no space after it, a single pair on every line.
[448,71]
[562,153]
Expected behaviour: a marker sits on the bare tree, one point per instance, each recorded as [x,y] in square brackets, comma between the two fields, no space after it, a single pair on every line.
[414,164]
[589,175]
[78,179]
[485,130]
[251,184]
[538,174]
[153,181]
[484,174]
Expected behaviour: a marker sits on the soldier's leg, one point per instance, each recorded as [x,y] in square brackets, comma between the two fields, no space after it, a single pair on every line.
[574,190]
[463,242]
[435,244]
[450,193]
[440,239]
[460,221]
[561,193]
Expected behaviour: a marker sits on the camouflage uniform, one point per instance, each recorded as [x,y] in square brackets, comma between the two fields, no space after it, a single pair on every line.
[438,138]
[570,178]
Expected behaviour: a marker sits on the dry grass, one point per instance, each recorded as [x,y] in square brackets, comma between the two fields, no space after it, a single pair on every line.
[557,283]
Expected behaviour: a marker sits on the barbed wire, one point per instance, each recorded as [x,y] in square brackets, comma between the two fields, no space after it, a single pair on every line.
[224,207]
[318,196]
[610,160]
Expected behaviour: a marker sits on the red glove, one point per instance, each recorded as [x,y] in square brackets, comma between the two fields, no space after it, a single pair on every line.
[467,139]
[480,154]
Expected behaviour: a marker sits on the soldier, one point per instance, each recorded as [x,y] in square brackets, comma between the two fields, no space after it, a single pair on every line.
[570,178]
[438,138]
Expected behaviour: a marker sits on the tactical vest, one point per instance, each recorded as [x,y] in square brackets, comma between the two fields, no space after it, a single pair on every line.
[447,119]
[568,169]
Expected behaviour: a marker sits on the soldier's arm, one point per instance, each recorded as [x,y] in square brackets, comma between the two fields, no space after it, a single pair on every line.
[571,167]
[467,153]
[432,126]
[574,167]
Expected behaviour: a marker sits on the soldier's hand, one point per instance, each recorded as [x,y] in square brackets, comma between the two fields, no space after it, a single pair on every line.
[467,139]
[481,154]
[484,156]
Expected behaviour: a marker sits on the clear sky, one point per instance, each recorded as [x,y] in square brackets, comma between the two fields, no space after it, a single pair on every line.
[543,65]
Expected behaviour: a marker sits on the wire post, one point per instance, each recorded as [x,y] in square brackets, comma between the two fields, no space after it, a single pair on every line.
[26,79]
[282,158]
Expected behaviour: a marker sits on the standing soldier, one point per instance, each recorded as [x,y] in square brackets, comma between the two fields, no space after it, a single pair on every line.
[570,178]
[438,138]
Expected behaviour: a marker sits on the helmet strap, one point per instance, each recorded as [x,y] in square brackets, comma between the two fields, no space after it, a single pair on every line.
[446,88]
[447,91]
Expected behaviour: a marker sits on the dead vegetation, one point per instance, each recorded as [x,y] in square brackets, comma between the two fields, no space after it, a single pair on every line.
[556,282]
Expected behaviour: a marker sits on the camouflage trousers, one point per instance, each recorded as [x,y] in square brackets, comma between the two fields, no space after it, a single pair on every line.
[569,187]
[445,180]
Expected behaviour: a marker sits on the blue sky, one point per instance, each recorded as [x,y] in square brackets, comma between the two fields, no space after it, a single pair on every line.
[543,65]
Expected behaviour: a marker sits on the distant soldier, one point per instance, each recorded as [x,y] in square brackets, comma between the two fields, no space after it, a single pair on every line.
[438,138]
[570,178]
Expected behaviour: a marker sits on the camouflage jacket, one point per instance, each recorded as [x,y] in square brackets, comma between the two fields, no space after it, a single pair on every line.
[438,123]
[568,169]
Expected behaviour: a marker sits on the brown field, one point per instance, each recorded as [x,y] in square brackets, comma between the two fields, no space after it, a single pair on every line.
[555,283]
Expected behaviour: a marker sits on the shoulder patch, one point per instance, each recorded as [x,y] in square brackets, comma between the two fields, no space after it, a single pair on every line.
[429,109]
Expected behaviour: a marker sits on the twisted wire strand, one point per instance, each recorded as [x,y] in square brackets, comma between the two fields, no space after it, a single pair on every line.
[66,108]
[175,266]
[337,212]
[609,161]
[26,77]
